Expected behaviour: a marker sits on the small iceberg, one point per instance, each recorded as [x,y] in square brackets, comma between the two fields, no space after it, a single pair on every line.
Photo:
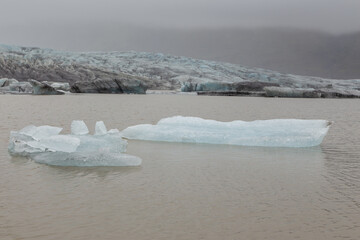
[264,133]
[44,144]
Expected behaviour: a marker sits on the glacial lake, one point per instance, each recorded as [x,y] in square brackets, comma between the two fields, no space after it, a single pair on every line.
[184,191]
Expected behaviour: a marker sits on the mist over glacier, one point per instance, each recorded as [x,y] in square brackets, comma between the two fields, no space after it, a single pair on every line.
[315,38]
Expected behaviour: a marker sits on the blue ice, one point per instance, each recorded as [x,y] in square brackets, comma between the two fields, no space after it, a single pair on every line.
[44,144]
[265,133]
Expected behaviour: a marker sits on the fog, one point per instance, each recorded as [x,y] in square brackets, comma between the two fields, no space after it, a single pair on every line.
[310,37]
[326,15]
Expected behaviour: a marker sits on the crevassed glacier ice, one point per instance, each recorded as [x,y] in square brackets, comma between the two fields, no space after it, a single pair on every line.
[44,145]
[266,133]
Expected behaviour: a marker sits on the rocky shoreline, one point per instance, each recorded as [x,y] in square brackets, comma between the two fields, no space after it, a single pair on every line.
[44,71]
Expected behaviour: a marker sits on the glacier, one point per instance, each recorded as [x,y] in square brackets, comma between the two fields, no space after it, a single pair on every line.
[136,72]
[45,88]
[264,133]
[32,86]
[45,144]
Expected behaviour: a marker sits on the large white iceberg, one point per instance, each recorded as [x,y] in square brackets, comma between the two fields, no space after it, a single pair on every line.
[44,145]
[266,133]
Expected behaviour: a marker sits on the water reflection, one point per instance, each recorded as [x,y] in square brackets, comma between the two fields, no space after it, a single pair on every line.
[342,166]
[179,151]
[99,172]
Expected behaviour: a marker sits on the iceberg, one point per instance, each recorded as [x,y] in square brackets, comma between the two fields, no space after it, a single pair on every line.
[62,143]
[100,128]
[44,144]
[78,127]
[44,88]
[264,133]
[114,131]
[110,142]
[41,132]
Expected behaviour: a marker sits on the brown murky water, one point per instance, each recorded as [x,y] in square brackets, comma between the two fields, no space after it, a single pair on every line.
[184,191]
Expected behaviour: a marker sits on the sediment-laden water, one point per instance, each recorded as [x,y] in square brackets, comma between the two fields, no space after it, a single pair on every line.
[184,191]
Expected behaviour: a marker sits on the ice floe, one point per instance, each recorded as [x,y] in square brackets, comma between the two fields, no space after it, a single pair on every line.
[266,133]
[44,144]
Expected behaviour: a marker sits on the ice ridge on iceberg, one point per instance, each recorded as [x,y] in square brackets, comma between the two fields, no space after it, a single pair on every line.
[44,144]
[265,133]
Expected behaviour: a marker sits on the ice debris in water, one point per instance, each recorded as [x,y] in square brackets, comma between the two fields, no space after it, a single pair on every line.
[266,133]
[113,131]
[100,128]
[44,145]
[79,127]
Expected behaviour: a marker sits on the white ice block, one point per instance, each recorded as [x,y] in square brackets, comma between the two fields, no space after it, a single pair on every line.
[100,128]
[44,145]
[78,127]
[266,133]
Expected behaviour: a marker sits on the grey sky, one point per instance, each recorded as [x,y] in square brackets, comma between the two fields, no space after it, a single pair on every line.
[306,37]
[336,16]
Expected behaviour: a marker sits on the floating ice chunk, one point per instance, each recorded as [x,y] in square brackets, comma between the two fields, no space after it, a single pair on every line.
[61,143]
[112,131]
[267,133]
[81,149]
[88,159]
[110,143]
[18,144]
[24,145]
[78,127]
[38,133]
[100,128]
